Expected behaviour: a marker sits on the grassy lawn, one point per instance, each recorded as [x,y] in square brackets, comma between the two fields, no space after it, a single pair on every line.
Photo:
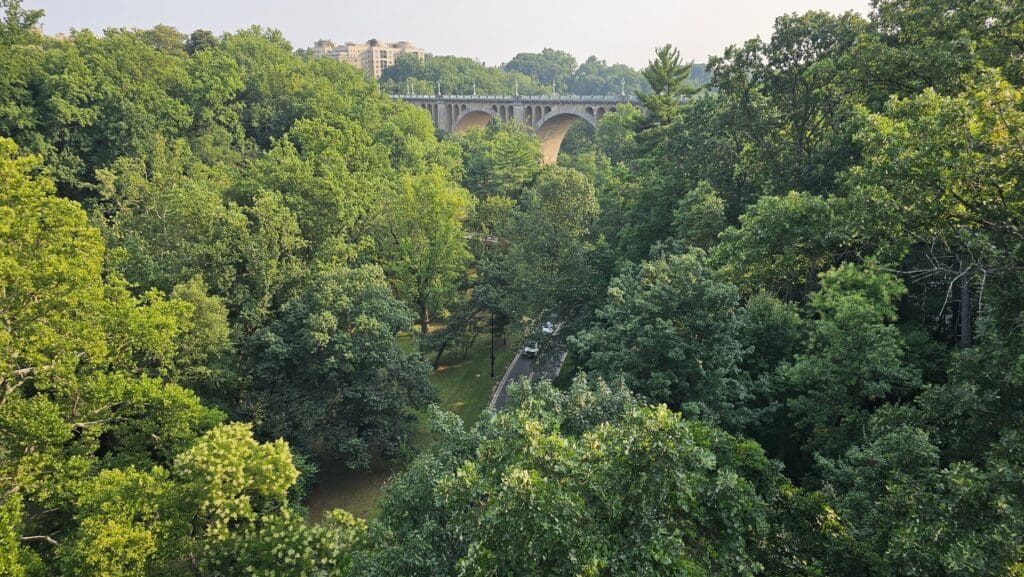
[339,488]
[464,387]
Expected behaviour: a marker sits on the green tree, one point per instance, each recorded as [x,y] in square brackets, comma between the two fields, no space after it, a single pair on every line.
[423,245]
[18,23]
[221,508]
[205,359]
[668,78]
[548,68]
[455,75]
[328,374]
[671,330]
[76,348]
[21,64]
[555,220]
[596,77]
[174,217]
[788,104]
[499,160]
[936,44]
[700,217]
[588,482]
[200,40]
[615,133]
[959,190]
[781,245]
[911,515]
[854,361]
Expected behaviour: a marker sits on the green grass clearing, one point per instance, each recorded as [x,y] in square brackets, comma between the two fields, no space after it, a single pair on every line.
[464,386]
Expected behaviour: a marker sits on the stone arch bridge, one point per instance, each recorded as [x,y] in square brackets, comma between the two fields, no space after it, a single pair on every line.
[550,117]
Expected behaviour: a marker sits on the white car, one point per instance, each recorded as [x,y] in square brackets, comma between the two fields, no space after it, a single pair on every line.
[530,350]
[548,329]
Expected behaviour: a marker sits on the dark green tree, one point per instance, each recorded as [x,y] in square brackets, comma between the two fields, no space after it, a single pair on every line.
[200,40]
[328,374]
[548,67]
[854,362]
[672,331]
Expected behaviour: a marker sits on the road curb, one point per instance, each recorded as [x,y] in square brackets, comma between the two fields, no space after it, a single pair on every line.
[503,381]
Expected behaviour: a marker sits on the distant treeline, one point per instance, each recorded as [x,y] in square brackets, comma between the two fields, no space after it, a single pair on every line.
[547,72]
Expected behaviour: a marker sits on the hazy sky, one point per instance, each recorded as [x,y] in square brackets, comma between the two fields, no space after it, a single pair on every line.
[616,30]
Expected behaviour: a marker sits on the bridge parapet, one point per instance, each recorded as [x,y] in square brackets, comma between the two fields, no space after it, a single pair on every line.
[568,98]
[549,116]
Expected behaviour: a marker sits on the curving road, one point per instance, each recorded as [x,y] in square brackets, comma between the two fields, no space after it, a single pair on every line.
[523,367]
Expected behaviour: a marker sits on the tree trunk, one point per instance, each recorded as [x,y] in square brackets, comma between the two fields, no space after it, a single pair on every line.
[424,319]
[966,336]
[469,345]
[440,351]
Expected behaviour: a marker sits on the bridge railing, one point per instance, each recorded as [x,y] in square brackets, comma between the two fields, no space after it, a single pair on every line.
[511,98]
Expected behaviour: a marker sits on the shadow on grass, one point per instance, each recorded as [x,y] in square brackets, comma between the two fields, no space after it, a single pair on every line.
[341,488]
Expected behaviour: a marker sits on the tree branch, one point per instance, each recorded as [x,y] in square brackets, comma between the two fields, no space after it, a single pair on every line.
[45,538]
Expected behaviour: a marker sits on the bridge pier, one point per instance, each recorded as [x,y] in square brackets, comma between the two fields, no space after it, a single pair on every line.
[549,117]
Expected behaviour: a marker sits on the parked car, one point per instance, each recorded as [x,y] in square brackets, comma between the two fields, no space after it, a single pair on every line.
[548,329]
[530,350]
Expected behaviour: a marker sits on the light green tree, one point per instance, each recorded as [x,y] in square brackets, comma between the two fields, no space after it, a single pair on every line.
[77,348]
[589,482]
[422,244]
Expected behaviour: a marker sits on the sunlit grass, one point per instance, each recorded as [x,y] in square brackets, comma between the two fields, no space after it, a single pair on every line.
[464,386]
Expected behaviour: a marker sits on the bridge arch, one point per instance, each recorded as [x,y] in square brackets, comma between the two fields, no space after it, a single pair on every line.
[552,128]
[471,119]
[550,118]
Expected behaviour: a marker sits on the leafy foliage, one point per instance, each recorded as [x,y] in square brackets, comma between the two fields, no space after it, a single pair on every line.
[588,482]
[816,261]
[672,331]
[668,79]
[328,373]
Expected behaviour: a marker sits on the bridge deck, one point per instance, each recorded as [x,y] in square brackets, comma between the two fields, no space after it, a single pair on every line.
[542,98]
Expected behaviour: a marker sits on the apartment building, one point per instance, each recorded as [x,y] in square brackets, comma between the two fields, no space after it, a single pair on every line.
[373,57]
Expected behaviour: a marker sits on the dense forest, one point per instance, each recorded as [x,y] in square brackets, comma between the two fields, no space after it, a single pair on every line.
[791,302]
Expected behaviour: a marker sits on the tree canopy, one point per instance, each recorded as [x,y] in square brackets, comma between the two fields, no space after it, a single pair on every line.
[789,305]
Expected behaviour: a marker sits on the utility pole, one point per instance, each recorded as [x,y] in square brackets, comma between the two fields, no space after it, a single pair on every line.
[492,344]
